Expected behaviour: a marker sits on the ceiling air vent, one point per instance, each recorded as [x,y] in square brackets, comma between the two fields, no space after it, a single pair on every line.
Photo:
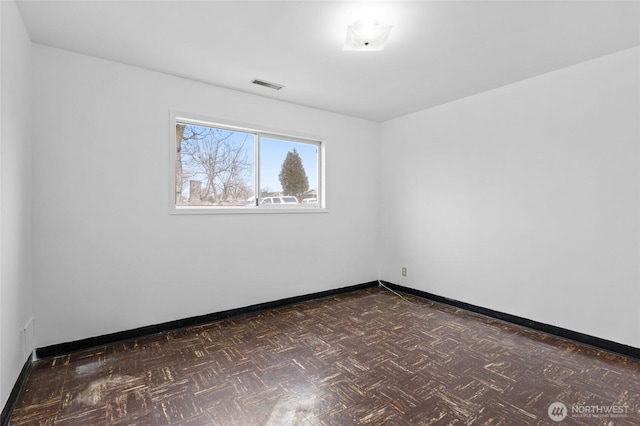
[274,86]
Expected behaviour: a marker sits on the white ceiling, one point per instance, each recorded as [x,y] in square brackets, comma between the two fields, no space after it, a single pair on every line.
[437,51]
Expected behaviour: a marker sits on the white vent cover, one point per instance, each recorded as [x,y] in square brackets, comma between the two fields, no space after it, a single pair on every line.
[274,86]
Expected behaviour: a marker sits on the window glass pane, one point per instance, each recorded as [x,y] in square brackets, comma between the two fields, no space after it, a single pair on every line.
[214,167]
[289,168]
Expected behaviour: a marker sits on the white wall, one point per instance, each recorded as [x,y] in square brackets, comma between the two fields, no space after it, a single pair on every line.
[15,195]
[108,256]
[524,199]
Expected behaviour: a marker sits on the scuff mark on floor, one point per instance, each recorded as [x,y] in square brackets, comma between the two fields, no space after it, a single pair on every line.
[98,389]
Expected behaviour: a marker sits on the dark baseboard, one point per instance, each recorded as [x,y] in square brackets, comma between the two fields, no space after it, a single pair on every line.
[12,401]
[607,345]
[78,345]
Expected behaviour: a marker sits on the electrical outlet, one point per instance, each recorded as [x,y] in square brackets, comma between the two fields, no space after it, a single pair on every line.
[26,338]
[404,271]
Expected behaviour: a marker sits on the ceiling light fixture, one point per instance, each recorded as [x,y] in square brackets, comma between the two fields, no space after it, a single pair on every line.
[367,35]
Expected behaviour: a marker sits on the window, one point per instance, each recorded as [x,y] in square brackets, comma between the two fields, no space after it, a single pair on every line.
[229,168]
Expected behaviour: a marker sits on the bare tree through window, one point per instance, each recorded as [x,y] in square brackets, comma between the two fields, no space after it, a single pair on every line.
[214,166]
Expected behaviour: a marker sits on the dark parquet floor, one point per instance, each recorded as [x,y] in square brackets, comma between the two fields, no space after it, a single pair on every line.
[366,357]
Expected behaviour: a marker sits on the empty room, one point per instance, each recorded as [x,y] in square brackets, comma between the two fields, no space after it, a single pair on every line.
[319,212]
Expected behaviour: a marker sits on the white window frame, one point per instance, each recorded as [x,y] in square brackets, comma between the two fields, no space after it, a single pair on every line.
[260,131]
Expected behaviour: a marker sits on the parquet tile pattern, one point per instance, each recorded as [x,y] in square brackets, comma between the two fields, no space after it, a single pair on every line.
[365,357]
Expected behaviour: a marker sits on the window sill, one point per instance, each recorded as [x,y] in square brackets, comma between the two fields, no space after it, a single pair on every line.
[180,210]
